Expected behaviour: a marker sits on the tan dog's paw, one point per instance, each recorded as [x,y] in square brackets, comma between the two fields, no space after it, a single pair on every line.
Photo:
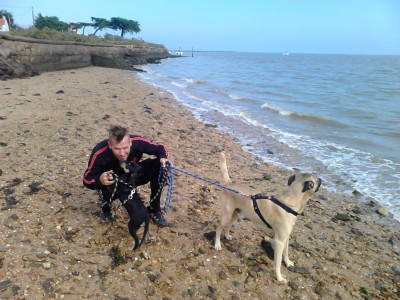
[282,280]
[228,237]
[289,263]
[218,247]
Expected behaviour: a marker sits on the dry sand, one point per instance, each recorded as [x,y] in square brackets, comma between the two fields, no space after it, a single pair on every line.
[54,245]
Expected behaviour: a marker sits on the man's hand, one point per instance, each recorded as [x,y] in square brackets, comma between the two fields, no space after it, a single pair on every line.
[163,162]
[107,178]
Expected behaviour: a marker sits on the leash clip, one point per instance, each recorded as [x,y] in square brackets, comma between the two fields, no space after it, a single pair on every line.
[133,191]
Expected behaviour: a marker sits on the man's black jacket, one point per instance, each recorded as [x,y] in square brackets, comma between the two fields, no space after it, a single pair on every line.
[102,159]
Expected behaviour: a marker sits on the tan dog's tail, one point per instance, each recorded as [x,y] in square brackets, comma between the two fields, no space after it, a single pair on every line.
[224,169]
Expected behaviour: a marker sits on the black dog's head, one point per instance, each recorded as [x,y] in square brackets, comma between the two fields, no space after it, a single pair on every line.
[131,171]
[129,167]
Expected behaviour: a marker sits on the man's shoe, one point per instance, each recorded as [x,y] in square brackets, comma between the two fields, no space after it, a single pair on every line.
[159,220]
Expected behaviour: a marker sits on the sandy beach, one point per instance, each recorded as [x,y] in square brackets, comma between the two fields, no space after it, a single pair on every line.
[53,245]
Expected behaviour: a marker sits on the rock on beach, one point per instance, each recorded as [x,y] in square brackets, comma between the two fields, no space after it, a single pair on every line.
[54,245]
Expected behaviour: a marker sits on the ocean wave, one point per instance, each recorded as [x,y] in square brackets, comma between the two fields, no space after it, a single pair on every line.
[191,96]
[234,97]
[274,92]
[192,80]
[302,116]
[277,109]
[188,79]
[178,84]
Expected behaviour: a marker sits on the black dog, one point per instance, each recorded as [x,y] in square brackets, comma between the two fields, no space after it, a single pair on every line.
[132,201]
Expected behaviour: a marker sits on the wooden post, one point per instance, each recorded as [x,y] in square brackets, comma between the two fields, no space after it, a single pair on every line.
[33,18]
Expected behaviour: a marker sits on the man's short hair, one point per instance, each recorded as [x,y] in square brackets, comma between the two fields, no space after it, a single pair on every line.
[117,132]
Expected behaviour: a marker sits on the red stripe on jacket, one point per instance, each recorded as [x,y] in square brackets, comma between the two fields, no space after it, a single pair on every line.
[91,165]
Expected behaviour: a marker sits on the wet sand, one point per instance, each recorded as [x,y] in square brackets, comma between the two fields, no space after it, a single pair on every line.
[53,244]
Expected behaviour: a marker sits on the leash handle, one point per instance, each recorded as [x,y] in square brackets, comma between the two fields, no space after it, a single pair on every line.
[167,171]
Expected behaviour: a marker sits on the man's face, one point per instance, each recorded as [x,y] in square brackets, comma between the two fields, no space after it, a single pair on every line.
[120,149]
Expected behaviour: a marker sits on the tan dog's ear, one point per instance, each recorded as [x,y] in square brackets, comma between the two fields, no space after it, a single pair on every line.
[291,179]
[319,184]
[308,185]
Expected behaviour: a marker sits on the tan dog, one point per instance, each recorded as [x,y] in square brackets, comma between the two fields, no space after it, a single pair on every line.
[235,205]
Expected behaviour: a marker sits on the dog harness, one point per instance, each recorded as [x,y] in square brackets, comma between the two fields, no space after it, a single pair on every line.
[274,200]
[165,178]
[117,180]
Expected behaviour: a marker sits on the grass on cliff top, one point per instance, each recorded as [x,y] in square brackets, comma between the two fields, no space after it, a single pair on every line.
[53,35]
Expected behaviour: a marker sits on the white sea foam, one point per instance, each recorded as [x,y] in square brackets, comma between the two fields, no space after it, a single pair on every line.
[178,84]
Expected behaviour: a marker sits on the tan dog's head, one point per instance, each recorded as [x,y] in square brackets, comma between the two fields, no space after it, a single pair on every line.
[302,186]
[307,182]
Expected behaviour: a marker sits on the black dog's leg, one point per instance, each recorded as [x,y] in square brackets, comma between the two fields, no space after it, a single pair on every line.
[133,231]
[145,229]
[137,216]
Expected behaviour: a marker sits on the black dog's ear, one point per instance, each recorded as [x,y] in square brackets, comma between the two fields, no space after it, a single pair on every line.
[124,165]
[291,179]
[308,185]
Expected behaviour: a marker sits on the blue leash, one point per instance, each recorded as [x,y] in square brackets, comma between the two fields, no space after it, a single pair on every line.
[169,172]
[254,198]
[209,181]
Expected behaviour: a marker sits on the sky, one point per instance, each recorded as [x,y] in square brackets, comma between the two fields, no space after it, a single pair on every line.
[296,26]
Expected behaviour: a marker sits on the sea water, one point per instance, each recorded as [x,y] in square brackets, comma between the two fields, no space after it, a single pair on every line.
[337,116]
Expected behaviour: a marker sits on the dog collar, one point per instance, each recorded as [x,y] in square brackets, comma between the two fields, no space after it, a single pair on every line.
[274,200]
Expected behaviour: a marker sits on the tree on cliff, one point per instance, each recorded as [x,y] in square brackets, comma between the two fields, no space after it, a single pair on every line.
[124,25]
[99,24]
[50,22]
[82,25]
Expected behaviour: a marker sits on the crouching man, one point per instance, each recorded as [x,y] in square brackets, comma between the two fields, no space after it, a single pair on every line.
[105,165]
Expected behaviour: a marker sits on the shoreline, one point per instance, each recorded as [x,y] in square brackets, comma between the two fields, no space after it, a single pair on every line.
[53,243]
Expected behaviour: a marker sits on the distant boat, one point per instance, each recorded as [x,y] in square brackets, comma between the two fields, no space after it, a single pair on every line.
[285,53]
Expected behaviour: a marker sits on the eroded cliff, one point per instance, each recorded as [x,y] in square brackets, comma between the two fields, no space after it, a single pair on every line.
[24,57]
